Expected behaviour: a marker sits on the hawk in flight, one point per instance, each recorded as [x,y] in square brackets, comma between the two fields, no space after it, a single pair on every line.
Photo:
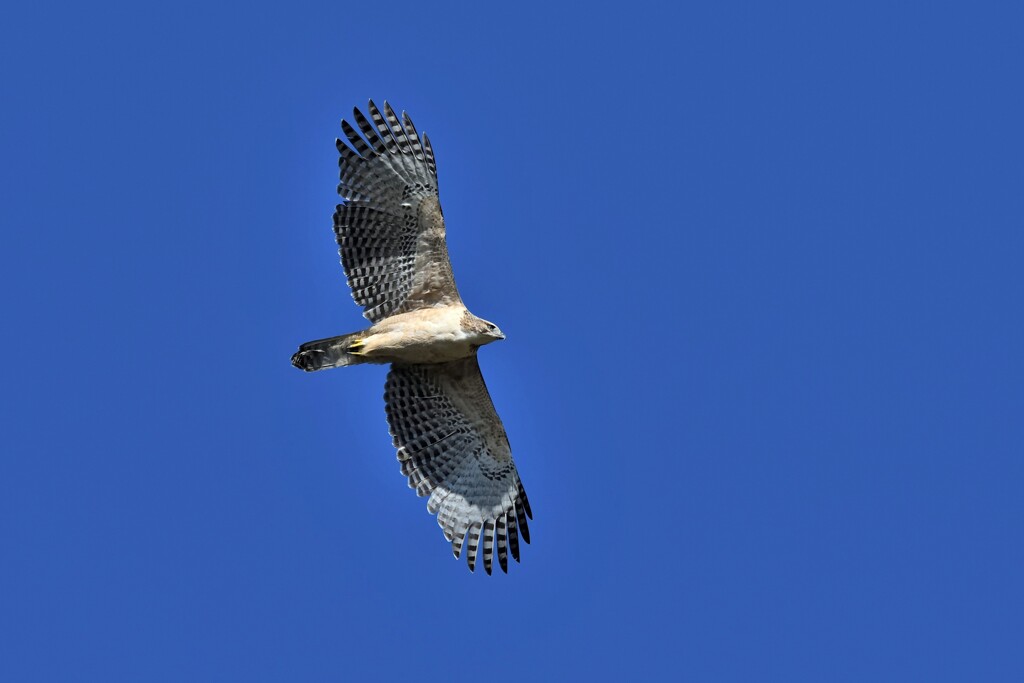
[451,443]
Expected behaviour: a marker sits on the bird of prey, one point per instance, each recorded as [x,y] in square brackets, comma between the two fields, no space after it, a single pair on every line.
[391,237]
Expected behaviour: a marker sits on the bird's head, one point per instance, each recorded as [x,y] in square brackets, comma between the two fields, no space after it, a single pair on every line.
[486,332]
[494,333]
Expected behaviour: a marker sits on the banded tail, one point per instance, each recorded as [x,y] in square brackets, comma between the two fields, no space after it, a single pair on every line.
[333,352]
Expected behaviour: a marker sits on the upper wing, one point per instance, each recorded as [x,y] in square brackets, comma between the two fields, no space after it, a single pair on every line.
[452,446]
[390,229]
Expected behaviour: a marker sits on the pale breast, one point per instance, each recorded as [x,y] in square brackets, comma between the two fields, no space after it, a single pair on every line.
[429,335]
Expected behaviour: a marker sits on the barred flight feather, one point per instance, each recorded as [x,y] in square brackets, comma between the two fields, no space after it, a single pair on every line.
[513,536]
[502,536]
[414,138]
[381,129]
[397,131]
[488,544]
[390,229]
[369,132]
[451,446]
[472,544]
[430,154]
[458,535]
[524,528]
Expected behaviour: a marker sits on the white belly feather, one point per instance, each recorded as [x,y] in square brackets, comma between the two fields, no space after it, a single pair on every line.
[432,335]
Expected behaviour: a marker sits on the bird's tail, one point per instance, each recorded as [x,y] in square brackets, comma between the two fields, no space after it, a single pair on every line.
[334,352]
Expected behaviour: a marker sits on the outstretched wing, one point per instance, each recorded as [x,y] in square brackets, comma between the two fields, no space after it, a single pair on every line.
[390,229]
[453,448]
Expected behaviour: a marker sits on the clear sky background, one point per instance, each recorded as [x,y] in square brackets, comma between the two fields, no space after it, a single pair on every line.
[760,271]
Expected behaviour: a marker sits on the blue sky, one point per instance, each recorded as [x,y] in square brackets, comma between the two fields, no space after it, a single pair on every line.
[760,272]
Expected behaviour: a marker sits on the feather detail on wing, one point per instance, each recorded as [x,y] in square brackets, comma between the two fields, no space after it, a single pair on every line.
[453,447]
[390,228]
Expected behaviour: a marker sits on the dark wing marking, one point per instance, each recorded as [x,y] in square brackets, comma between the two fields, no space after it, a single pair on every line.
[390,228]
[452,447]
